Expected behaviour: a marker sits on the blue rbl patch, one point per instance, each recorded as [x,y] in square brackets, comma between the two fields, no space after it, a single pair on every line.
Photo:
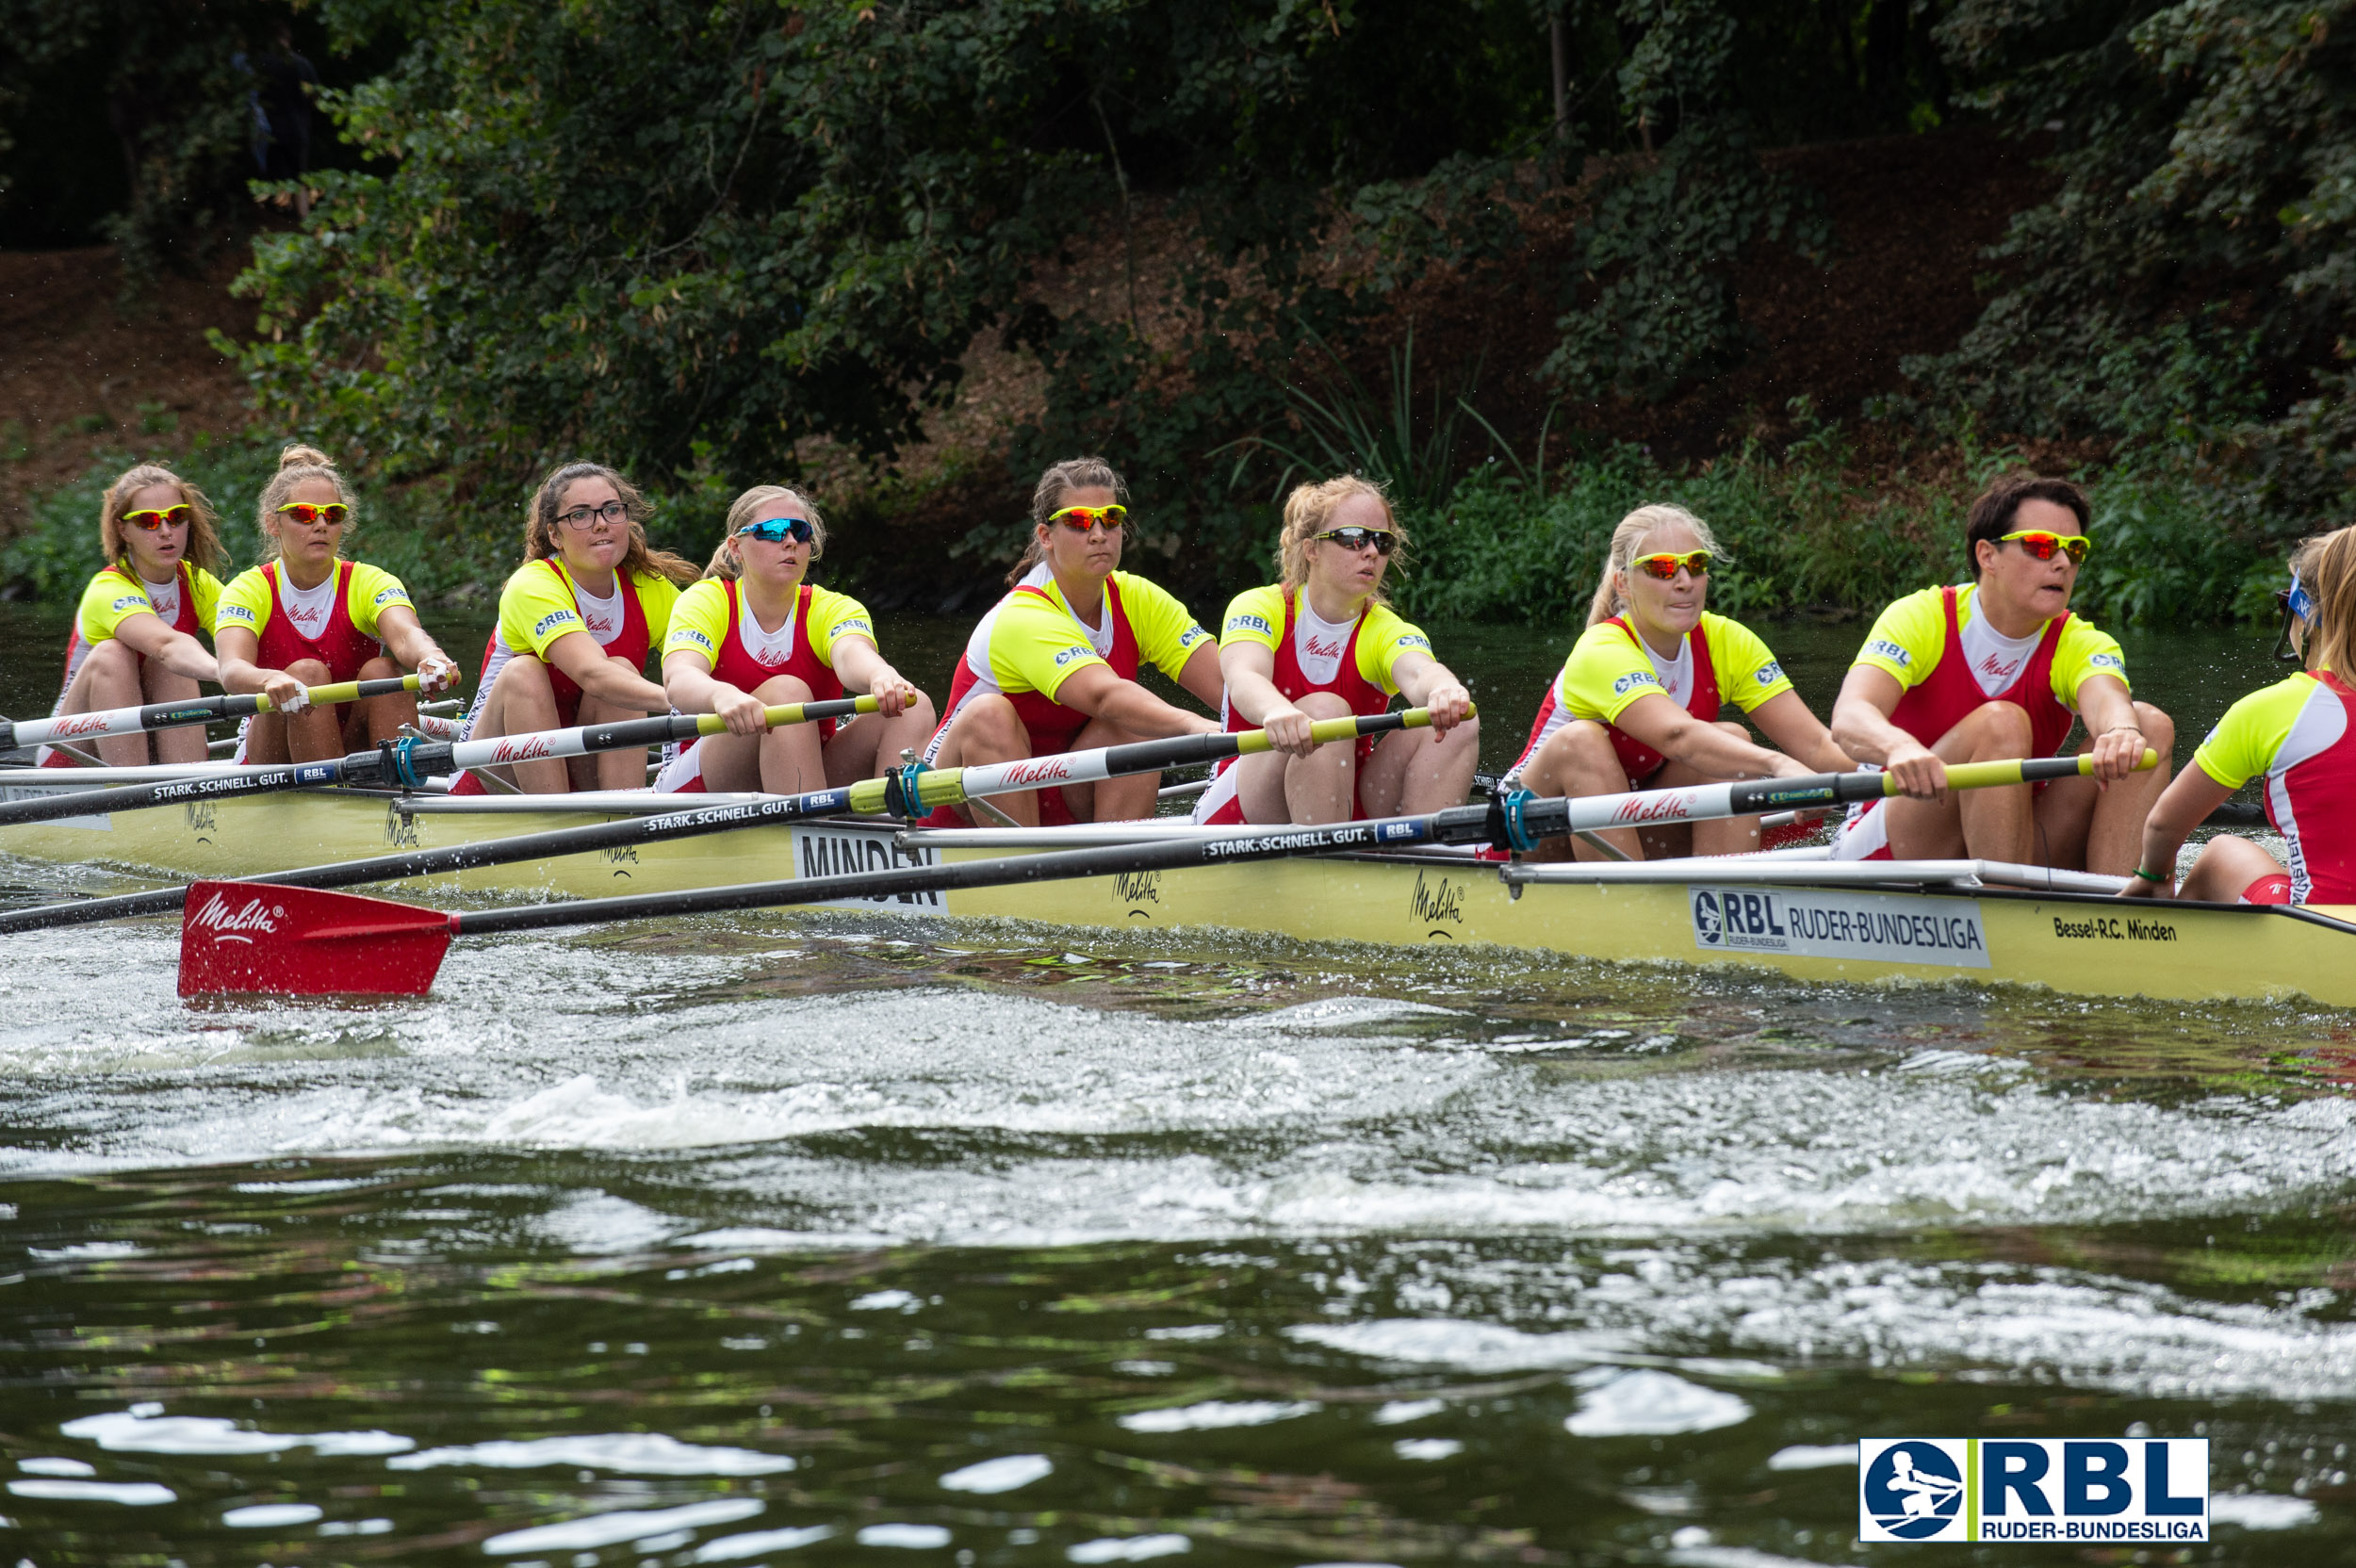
[132,601]
[1192,635]
[2075,1489]
[689,634]
[553,618]
[233,612]
[1068,654]
[2106,661]
[1414,641]
[1885,648]
[1769,672]
[390,596]
[843,628]
[1250,623]
[1634,678]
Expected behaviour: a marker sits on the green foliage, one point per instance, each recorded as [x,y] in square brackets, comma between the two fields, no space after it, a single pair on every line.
[2208,154]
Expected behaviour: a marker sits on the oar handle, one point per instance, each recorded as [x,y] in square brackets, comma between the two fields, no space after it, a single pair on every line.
[1981,775]
[344,691]
[797,713]
[1252,742]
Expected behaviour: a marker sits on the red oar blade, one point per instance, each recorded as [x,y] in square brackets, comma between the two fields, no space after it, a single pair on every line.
[254,938]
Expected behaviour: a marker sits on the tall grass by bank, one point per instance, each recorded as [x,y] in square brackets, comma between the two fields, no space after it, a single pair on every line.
[1807,530]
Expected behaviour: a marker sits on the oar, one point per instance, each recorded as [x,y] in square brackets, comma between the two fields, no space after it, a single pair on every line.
[935,787]
[408,763]
[240,938]
[168,716]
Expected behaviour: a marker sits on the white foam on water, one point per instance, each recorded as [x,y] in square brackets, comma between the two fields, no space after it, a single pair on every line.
[1427,1447]
[1214,1413]
[622,1453]
[607,1529]
[730,1547]
[912,1537]
[999,1475]
[2256,1510]
[130,1493]
[1400,1411]
[1652,1403]
[1467,1346]
[146,1430]
[1127,1548]
[257,1517]
[55,1467]
[1812,1455]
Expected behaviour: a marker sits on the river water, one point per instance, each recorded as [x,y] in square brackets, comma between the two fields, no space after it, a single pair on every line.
[823,1236]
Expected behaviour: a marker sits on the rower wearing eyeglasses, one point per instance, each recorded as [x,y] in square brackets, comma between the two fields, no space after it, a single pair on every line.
[1638,702]
[1053,667]
[577,621]
[2299,736]
[1324,643]
[1999,668]
[307,616]
[754,633]
[135,635]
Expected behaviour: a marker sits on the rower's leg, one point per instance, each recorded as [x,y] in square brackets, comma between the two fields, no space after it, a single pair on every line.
[374,719]
[1413,772]
[988,730]
[625,769]
[310,736]
[1987,824]
[111,678]
[1577,759]
[1725,836]
[868,744]
[1111,799]
[2227,866]
[2109,836]
[520,703]
[790,760]
[158,682]
[1273,788]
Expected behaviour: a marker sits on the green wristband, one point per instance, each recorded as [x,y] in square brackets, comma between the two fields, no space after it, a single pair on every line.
[2149,877]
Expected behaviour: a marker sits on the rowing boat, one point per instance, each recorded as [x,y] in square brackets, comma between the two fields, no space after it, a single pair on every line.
[1813,920]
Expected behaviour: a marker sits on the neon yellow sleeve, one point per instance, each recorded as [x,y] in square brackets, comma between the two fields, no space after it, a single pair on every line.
[1605,673]
[207,592]
[699,622]
[1747,673]
[1907,639]
[2247,740]
[2083,653]
[108,599]
[1382,639]
[834,615]
[1167,632]
[1035,646]
[535,608]
[1255,615]
[246,603]
[373,591]
[658,596]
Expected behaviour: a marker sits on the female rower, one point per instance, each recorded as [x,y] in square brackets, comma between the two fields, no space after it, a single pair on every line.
[1637,704]
[1053,667]
[134,639]
[1324,644]
[308,614]
[577,621]
[2300,733]
[753,634]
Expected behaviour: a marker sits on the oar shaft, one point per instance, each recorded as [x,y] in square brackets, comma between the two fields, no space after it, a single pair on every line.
[171,715]
[584,740]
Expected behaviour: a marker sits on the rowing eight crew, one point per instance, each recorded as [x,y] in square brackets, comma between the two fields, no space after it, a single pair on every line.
[1999,667]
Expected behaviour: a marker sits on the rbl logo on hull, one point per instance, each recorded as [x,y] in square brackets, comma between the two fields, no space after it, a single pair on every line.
[2072,1489]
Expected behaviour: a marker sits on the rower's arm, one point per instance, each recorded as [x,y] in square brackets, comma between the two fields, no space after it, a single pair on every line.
[404,637]
[1655,721]
[1796,728]
[1861,727]
[239,648]
[578,656]
[1249,670]
[1425,682]
[2184,806]
[2109,712]
[1095,690]
[147,636]
[1204,675]
[861,665]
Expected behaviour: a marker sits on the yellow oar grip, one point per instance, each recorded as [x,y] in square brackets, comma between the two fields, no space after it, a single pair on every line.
[778,718]
[1252,742]
[1981,775]
[327,696]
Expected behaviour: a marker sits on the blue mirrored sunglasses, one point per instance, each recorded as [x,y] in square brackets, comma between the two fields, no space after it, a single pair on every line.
[777,530]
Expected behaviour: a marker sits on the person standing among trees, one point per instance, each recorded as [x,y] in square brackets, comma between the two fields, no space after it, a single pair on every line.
[2000,669]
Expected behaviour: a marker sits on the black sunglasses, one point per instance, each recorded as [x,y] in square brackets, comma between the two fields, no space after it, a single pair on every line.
[1383,540]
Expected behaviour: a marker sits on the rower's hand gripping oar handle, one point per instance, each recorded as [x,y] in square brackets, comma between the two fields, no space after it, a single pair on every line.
[325,697]
[909,791]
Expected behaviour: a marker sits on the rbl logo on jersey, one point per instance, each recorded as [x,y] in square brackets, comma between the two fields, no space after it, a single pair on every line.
[1885,648]
[1634,678]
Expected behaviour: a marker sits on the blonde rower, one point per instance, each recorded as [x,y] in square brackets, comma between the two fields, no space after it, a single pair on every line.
[755,633]
[1637,704]
[308,613]
[1322,643]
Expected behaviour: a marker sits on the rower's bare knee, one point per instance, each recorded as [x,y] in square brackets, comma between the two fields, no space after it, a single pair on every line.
[779,690]
[311,672]
[2159,730]
[1999,731]
[1324,704]
[1577,760]
[987,730]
